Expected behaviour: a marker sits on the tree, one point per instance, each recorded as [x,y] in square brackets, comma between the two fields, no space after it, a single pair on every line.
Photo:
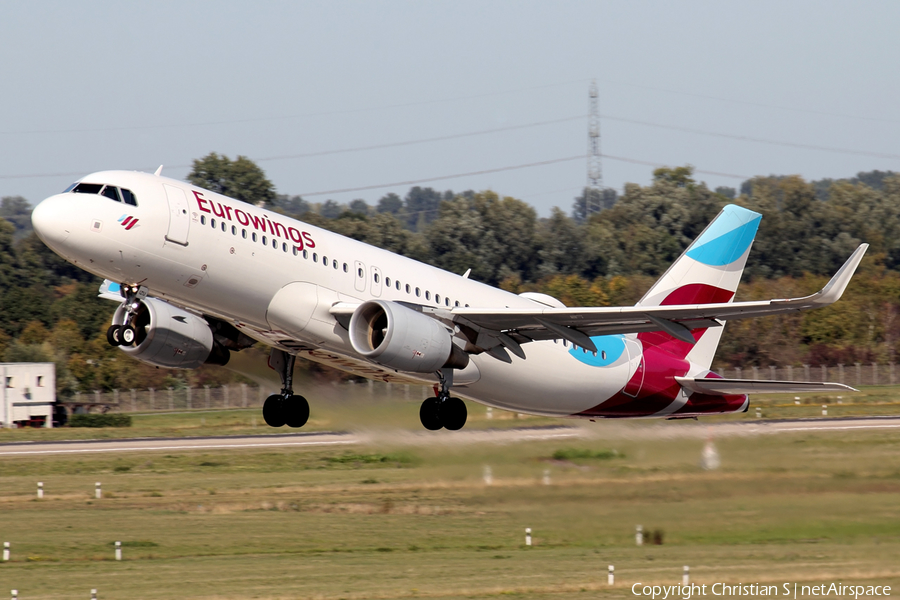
[421,206]
[331,209]
[495,237]
[728,192]
[562,245]
[17,211]
[293,206]
[359,207]
[391,204]
[680,176]
[240,179]
[592,200]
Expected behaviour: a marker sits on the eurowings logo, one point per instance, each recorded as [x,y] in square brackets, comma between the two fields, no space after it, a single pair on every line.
[127,221]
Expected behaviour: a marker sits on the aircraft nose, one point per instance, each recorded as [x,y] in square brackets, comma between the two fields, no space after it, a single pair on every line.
[49,222]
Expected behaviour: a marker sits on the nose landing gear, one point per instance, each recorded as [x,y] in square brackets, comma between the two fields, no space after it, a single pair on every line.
[285,408]
[443,410]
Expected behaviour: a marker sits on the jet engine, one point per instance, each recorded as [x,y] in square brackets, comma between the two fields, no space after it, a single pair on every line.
[401,338]
[171,337]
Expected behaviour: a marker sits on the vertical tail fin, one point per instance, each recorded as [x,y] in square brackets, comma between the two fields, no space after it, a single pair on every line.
[708,272]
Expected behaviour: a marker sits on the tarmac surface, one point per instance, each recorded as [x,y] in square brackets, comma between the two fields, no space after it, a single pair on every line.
[607,430]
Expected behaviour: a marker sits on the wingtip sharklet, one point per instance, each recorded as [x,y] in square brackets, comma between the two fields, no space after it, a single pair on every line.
[835,287]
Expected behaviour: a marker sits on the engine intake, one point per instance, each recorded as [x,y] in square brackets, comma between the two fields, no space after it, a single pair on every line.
[170,337]
[401,338]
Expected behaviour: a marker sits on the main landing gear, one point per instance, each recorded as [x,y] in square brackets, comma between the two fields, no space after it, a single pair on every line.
[443,410]
[285,408]
[125,334]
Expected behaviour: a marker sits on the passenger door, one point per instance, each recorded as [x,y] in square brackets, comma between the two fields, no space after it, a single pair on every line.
[179,220]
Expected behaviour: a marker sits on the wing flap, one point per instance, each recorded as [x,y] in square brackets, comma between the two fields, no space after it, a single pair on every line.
[711,385]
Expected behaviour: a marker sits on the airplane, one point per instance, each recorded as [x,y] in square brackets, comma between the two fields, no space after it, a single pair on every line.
[199,275]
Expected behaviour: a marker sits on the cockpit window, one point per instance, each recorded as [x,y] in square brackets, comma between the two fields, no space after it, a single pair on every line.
[111,193]
[87,188]
[128,197]
[70,188]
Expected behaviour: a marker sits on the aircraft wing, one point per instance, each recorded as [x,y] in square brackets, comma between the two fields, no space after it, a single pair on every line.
[712,385]
[512,327]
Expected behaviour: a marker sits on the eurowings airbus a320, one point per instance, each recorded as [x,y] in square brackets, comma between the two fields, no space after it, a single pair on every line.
[200,275]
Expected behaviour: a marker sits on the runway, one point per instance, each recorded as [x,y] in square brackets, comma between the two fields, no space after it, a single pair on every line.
[606,430]
[286,440]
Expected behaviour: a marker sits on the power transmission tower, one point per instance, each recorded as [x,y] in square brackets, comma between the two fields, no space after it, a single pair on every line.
[594,191]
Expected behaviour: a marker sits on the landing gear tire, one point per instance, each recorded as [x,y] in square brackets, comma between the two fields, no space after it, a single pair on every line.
[453,414]
[126,335]
[113,336]
[430,415]
[274,411]
[296,411]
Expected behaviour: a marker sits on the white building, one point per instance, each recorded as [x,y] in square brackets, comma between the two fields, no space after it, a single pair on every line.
[29,391]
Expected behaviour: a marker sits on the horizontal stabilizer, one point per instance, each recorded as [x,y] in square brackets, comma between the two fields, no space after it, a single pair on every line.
[110,290]
[711,385]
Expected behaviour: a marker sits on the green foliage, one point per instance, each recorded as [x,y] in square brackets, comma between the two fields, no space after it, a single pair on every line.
[240,179]
[17,211]
[100,420]
[368,459]
[586,454]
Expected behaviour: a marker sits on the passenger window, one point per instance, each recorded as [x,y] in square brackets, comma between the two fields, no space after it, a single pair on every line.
[456,303]
[437,298]
[398,286]
[254,236]
[360,272]
[377,278]
[87,188]
[315,257]
[213,223]
[325,260]
[234,230]
[407,288]
[223,226]
[284,246]
[274,243]
[418,292]
[305,254]
[346,268]
[244,233]
[427,295]
[265,241]
[111,193]
[203,219]
[446,301]
[296,252]
[128,197]
[387,281]
[334,264]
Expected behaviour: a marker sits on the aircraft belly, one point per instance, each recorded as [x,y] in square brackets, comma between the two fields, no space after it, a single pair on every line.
[561,386]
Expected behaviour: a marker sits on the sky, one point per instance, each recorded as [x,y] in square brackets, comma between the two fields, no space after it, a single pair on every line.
[343,100]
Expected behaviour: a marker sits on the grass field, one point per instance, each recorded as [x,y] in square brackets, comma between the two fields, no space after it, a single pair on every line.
[418,521]
[352,408]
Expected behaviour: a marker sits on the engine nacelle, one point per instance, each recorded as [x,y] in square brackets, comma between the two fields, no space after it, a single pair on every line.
[170,337]
[401,338]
